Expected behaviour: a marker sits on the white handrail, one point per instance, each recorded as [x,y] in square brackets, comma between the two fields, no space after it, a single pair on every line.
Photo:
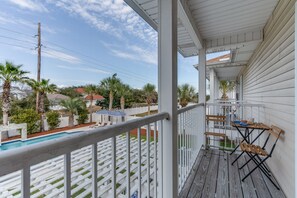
[188,108]
[17,159]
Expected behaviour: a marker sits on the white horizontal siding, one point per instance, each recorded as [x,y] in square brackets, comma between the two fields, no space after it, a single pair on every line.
[270,79]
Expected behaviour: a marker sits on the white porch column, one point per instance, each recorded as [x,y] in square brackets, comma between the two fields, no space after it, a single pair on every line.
[202,88]
[217,90]
[167,90]
[212,85]
[241,88]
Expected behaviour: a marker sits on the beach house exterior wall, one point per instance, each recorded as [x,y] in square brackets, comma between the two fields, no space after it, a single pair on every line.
[269,79]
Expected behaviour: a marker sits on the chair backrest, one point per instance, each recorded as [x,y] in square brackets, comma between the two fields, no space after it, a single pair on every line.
[216,118]
[276,132]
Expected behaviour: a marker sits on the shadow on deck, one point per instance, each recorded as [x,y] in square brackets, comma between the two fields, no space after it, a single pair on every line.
[214,176]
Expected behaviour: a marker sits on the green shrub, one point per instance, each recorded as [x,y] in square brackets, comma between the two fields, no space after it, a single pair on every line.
[53,119]
[30,117]
[82,116]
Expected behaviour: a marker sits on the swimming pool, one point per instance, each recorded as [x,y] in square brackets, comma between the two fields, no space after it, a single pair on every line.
[19,143]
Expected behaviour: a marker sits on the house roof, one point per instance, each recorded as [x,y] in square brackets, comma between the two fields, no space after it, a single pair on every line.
[80,90]
[223,58]
[95,97]
[57,97]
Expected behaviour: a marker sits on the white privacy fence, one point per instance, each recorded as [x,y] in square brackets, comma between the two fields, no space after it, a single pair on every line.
[190,140]
[233,110]
[138,110]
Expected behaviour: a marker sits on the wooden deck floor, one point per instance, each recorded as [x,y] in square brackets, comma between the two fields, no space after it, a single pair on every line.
[214,176]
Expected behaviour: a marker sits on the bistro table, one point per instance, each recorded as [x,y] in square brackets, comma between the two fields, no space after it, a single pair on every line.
[249,128]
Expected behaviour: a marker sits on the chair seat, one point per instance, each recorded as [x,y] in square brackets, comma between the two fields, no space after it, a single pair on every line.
[254,149]
[215,134]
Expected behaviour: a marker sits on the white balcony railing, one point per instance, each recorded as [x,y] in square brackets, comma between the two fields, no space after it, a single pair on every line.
[106,162]
[190,140]
[115,161]
[233,110]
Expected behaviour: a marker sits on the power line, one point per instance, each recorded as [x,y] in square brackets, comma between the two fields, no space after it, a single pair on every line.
[14,45]
[9,30]
[67,59]
[126,73]
[15,39]
[119,70]
[82,54]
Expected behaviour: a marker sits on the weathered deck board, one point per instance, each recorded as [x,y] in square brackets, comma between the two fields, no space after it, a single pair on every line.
[222,180]
[274,192]
[247,185]
[214,176]
[209,188]
[199,180]
[188,184]
[259,182]
[234,178]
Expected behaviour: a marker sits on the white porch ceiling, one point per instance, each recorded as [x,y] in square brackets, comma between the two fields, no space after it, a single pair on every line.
[222,25]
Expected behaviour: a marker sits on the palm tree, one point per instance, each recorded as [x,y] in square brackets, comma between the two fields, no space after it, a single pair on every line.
[123,90]
[72,106]
[149,92]
[225,87]
[110,84]
[91,90]
[9,73]
[42,87]
[186,93]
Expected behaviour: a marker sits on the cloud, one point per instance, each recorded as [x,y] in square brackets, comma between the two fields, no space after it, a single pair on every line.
[62,56]
[91,70]
[134,52]
[32,5]
[8,19]
[112,16]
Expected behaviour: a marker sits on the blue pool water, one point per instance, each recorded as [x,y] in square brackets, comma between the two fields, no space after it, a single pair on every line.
[19,143]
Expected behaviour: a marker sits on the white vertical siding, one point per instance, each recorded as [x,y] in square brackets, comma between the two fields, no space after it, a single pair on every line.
[269,79]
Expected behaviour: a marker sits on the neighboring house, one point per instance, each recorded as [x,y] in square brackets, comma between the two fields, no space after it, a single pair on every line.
[81,91]
[96,98]
[55,100]
[87,98]
[216,67]
[18,92]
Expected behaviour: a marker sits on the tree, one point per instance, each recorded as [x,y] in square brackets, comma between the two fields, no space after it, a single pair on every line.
[53,119]
[186,93]
[149,92]
[43,88]
[225,87]
[28,116]
[123,91]
[110,84]
[72,106]
[70,91]
[9,73]
[91,90]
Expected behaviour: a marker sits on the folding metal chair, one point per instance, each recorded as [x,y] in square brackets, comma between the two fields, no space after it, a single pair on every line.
[259,154]
[217,130]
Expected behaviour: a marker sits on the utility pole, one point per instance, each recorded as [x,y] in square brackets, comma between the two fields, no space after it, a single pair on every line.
[38,64]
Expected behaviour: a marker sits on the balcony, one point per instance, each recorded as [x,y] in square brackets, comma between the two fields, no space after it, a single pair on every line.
[214,176]
[125,160]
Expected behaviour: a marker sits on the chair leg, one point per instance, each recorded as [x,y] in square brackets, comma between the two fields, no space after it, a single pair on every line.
[264,165]
[251,158]
[257,163]
[254,169]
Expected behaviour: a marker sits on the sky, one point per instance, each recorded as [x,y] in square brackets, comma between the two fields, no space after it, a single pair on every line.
[84,41]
